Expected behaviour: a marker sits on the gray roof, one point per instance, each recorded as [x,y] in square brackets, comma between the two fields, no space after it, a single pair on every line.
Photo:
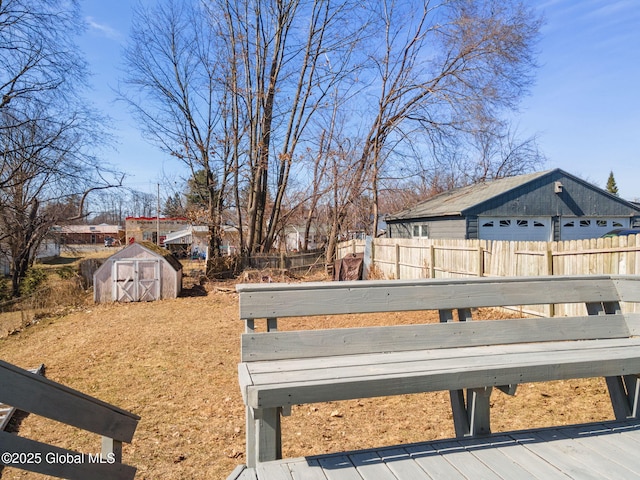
[456,201]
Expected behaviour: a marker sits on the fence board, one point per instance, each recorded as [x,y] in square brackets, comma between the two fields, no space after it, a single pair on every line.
[399,258]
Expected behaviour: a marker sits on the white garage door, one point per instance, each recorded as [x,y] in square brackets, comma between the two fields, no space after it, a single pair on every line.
[524,228]
[579,228]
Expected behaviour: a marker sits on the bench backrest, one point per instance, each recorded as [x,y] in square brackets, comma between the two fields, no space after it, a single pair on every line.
[401,338]
[601,294]
[280,300]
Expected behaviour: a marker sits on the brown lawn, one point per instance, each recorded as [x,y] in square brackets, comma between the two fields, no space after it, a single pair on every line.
[174,364]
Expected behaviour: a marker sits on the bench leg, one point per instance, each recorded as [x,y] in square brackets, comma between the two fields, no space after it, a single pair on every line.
[471,418]
[263,435]
[633,391]
[625,396]
[459,411]
[478,409]
[111,449]
[250,427]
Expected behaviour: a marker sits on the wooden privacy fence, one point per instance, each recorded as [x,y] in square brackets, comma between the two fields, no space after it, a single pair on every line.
[395,258]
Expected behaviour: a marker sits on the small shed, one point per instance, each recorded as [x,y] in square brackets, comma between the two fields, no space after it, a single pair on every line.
[140,272]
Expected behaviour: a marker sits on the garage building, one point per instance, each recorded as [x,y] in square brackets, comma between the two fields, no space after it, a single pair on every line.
[544,206]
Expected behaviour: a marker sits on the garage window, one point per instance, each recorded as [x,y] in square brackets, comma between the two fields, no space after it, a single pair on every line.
[589,227]
[420,231]
[515,229]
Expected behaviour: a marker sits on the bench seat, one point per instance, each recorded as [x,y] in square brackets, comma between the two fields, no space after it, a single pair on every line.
[292,382]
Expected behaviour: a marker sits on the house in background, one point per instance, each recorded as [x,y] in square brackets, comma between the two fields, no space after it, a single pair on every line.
[291,239]
[193,241]
[87,234]
[49,247]
[147,229]
[544,206]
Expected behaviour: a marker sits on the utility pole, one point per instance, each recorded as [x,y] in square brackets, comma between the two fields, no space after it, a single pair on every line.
[158,218]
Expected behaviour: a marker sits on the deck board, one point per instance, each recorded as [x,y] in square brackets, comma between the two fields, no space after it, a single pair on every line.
[502,464]
[593,451]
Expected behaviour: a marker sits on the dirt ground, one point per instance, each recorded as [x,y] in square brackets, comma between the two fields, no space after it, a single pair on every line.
[173,363]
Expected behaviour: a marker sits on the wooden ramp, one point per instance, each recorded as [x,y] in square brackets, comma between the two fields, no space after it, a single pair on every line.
[7,411]
[593,451]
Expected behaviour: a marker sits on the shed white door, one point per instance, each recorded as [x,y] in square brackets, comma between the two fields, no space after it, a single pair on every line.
[585,227]
[536,229]
[136,280]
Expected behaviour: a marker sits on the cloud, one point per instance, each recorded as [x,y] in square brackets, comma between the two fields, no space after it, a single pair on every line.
[103,30]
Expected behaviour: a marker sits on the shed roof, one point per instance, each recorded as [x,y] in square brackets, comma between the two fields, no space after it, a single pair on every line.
[164,253]
[149,247]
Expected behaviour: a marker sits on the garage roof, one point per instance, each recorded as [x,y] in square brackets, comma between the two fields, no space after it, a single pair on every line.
[456,201]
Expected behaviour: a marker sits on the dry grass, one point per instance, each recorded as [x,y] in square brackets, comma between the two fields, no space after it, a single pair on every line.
[57,297]
[174,363]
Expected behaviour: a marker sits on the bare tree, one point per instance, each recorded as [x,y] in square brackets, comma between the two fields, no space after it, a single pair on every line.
[176,75]
[37,53]
[319,169]
[241,87]
[498,152]
[287,55]
[444,64]
[49,135]
[346,190]
[43,164]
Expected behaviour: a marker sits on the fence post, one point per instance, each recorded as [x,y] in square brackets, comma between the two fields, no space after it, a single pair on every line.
[368,258]
[480,261]
[397,261]
[432,261]
[549,257]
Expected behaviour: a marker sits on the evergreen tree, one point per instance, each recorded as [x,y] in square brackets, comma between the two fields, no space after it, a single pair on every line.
[611,185]
[173,206]
[197,193]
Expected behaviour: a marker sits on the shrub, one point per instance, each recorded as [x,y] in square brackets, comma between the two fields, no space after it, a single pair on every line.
[5,289]
[67,272]
[34,278]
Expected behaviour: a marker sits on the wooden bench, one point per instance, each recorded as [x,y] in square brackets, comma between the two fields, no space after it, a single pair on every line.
[35,394]
[279,369]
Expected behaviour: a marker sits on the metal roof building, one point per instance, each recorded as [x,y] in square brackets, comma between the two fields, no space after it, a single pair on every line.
[542,206]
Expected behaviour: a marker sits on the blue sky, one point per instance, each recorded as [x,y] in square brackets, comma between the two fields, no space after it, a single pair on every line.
[585,105]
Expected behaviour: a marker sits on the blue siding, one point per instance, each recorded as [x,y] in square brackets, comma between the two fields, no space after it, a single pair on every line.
[538,198]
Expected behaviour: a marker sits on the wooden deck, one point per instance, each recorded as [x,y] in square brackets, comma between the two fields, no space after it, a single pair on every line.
[593,451]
